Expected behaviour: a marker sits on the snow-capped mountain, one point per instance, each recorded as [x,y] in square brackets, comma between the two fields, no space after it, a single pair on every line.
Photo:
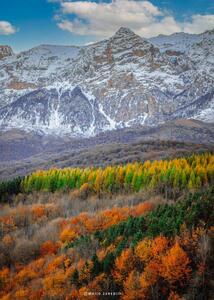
[120,82]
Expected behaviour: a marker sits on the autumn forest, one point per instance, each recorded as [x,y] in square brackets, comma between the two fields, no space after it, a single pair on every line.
[142,230]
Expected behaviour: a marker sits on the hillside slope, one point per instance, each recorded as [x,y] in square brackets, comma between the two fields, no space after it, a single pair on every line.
[118,146]
[130,232]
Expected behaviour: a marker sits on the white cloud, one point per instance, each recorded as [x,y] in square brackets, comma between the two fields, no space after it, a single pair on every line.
[199,23]
[102,19]
[6,28]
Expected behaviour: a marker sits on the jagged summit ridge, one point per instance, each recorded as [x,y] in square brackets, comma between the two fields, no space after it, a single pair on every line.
[123,81]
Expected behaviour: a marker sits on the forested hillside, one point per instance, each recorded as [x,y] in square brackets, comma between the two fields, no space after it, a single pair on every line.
[132,231]
[163,176]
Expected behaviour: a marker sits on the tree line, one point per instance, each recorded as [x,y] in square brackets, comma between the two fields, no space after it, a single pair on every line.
[168,177]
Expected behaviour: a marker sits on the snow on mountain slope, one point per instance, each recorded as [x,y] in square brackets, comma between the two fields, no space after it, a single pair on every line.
[198,47]
[120,82]
[179,41]
[31,69]
[55,110]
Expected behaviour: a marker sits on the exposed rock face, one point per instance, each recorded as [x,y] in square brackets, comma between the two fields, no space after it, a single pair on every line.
[120,82]
[15,85]
[5,51]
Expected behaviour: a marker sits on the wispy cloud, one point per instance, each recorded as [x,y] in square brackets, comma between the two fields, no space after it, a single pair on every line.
[6,28]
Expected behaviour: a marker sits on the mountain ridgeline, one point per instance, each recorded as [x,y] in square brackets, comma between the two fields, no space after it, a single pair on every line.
[120,82]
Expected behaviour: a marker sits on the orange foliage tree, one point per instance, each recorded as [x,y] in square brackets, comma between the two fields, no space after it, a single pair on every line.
[124,264]
[175,265]
[48,247]
[132,287]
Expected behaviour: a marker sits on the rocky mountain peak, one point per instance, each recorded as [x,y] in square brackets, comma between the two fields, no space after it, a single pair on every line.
[124,32]
[126,40]
[5,51]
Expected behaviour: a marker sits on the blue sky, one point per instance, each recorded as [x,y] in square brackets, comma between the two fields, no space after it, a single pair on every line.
[27,23]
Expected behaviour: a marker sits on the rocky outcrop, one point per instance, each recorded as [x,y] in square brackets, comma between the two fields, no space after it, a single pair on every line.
[15,85]
[5,51]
